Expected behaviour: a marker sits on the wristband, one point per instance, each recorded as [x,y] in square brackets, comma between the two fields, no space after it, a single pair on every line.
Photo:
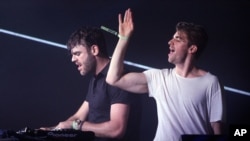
[77,124]
[122,37]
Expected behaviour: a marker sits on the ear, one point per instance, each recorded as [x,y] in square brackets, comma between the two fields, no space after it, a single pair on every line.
[94,50]
[193,49]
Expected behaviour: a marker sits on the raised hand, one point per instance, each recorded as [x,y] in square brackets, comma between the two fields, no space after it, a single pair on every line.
[126,26]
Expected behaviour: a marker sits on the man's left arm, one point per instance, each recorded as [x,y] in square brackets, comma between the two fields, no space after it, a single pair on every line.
[219,107]
[217,127]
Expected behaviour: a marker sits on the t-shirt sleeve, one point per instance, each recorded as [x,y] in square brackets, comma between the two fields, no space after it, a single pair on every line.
[119,96]
[151,76]
[217,102]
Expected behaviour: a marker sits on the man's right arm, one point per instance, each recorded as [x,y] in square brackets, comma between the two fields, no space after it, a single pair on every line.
[81,114]
[133,82]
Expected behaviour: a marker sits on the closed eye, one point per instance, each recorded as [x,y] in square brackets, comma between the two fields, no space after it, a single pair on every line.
[178,38]
[76,53]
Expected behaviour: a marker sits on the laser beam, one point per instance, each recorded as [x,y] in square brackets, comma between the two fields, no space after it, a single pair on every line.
[126,62]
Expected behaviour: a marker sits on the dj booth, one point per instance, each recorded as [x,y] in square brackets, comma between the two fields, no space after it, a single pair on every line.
[28,134]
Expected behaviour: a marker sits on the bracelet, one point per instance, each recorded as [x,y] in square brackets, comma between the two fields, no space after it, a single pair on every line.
[77,124]
[122,37]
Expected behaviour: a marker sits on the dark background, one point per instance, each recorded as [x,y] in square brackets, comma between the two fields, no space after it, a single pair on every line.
[39,86]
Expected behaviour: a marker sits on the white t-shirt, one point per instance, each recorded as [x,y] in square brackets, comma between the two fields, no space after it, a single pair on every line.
[184,105]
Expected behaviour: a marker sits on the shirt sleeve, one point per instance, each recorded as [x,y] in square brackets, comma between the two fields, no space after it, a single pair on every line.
[217,102]
[118,96]
[152,81]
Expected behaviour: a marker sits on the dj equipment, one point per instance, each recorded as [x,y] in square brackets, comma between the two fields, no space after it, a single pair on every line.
[28,134]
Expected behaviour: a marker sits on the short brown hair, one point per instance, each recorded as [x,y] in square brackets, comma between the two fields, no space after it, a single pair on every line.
[196,35]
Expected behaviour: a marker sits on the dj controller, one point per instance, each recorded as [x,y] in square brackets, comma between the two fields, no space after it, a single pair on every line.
[28,134]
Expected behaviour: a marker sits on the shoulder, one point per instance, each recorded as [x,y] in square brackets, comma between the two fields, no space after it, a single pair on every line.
[158,72]
[212,81]
[211,77]
[207,75]
[158,75]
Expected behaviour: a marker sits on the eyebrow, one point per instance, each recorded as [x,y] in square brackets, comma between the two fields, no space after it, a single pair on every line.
[178,36]
[75,52]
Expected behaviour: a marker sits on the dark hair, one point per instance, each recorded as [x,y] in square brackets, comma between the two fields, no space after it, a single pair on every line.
[88,36]
[196,35]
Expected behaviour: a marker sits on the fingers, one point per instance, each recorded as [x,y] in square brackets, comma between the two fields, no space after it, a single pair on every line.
[126,24]
[120,18]
[44,128]
[127,17]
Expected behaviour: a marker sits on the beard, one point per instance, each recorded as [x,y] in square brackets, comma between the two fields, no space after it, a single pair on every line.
[88,65]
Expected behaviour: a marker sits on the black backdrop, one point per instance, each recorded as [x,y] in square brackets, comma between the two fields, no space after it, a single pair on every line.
[39,85]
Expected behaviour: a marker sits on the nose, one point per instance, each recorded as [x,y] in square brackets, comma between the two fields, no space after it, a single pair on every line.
[73,59]
[170,41]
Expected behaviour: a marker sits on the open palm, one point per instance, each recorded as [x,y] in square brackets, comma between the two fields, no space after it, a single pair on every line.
[126,26]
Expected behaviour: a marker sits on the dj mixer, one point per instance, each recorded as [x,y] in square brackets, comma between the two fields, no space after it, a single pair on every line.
[28,134]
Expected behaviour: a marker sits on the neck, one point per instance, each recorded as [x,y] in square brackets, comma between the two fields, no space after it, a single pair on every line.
[100,64]
[185,71]
[188,69]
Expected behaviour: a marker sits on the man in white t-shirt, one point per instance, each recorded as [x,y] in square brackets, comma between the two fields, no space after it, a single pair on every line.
[189,100]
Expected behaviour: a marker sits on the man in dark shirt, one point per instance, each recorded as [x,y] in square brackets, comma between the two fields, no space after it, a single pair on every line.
[101,95]
[106,108]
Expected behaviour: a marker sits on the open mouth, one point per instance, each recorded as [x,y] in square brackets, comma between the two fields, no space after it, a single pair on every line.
[171,50]
[79,66]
